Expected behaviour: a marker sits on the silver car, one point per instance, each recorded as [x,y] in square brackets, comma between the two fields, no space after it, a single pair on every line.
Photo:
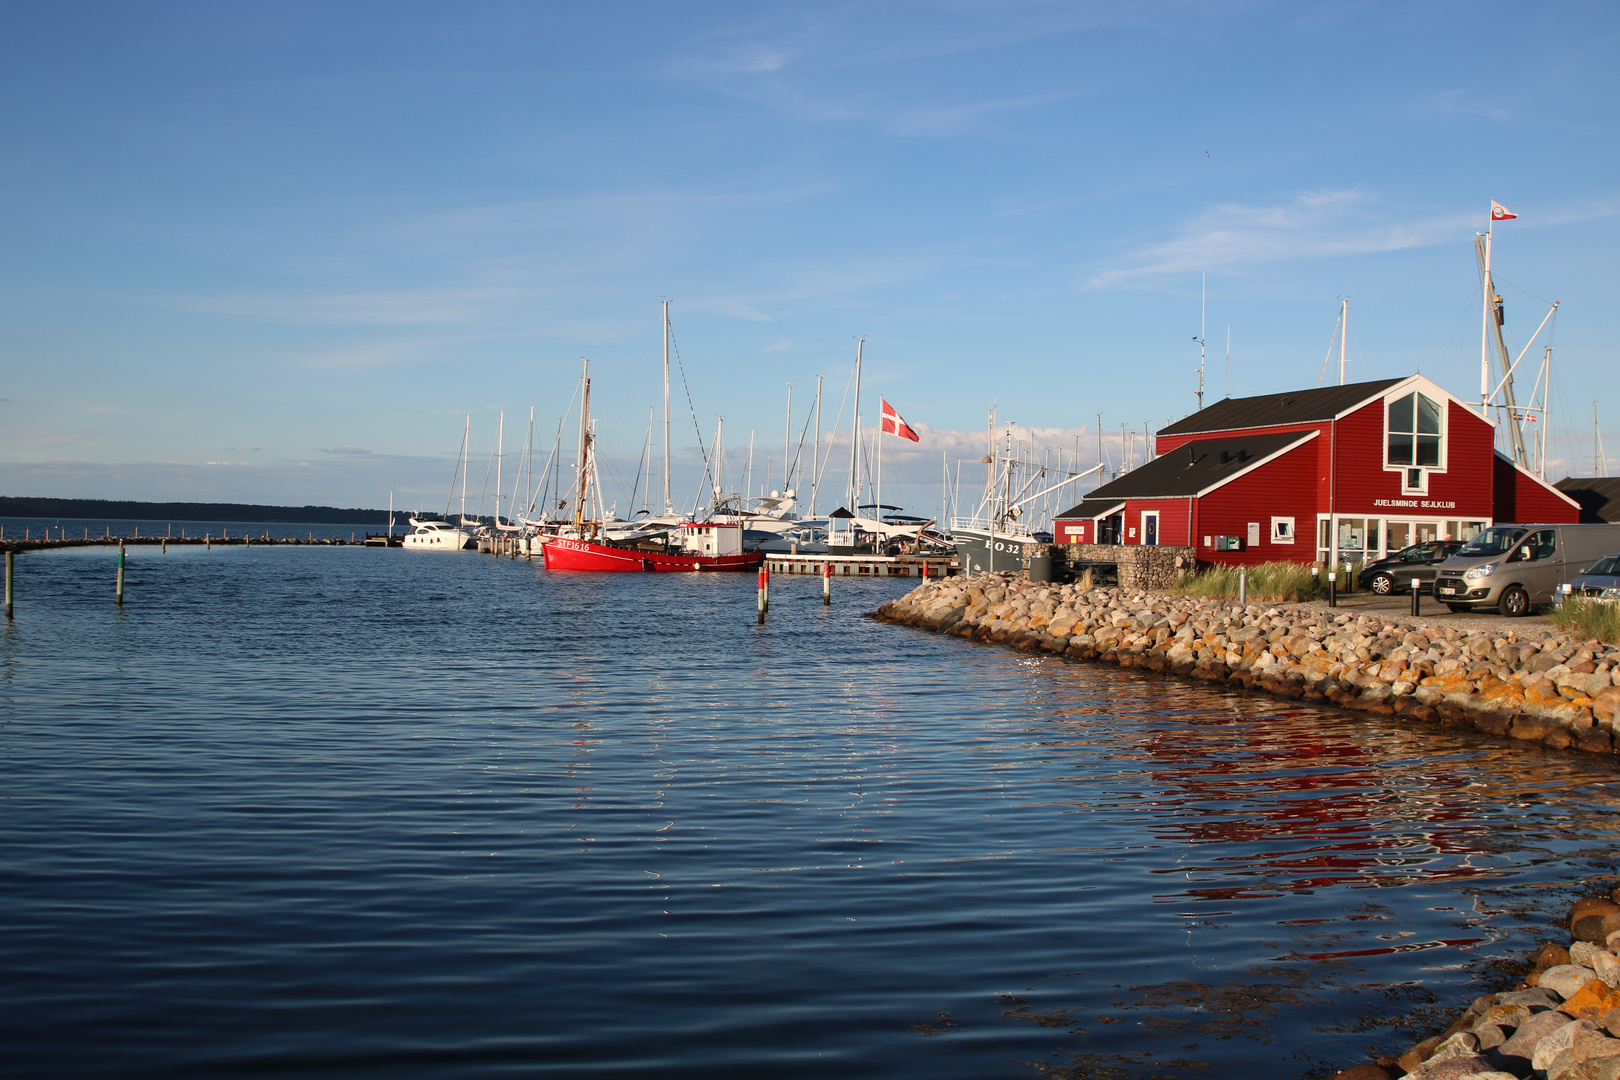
[1600,581]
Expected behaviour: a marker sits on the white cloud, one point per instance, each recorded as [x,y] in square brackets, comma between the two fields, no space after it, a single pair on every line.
[1311,225]
[1460,102]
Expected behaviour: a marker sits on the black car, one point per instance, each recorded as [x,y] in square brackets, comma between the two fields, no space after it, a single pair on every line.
[1395,573]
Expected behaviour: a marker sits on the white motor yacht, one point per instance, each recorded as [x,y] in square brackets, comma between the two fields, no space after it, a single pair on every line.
[435,536]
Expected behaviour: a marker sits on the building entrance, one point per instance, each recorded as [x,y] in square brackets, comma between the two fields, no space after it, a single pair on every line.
[1361,540]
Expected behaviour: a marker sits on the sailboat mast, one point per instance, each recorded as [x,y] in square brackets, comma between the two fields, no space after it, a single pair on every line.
[787,440]
[669,505]
[1546,408]
[584,445]
[815,465]
[500,452]
[466,435]
[855,442]
[646,495]
[719,459]
[1485,331]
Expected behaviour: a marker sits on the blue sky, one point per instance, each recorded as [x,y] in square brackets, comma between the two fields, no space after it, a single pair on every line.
[273,253]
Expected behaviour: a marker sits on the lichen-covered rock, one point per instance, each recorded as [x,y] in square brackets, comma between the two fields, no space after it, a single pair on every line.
[1566,980]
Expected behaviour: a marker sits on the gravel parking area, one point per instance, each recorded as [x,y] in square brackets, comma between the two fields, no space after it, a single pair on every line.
[1370,603]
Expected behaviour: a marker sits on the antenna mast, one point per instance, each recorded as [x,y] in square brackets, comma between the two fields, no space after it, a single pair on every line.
[1344,333]
[1203,303]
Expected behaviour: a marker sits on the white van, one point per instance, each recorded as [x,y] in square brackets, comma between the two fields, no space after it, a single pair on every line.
[1515,567]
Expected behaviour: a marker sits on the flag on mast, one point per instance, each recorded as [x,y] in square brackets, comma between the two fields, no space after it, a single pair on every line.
[894,425]
[1500,212]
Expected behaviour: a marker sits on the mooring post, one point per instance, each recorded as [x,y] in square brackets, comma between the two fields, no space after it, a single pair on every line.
[761,595]
[120,594]
[165,546]
[208,542]
[1333,590]
[826,584]
[1243,586]
[10,558]
[1417,597]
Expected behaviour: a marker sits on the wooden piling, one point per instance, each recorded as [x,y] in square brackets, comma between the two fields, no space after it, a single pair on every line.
[120,593]
[11,557]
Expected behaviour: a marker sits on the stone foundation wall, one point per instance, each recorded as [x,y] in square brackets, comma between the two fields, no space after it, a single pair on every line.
[1141,566]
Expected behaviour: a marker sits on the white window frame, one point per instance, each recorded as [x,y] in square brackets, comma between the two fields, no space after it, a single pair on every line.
[1158,541]
[1276,538]
[1423,471]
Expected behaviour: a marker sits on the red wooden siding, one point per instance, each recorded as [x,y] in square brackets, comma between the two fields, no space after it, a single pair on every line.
[1083,531]
[1521,498]
[1365,487]
[1286,487]
[1172,519]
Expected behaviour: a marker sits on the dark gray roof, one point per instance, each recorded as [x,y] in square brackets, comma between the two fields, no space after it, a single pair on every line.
[1599,497]
[1269,410]
[1189,469]
[1089,508]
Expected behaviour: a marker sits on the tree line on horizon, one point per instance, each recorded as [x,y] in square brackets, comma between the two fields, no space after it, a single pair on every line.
[130,510]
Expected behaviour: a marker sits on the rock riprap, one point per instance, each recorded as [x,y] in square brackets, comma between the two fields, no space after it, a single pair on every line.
[1562,1023]
[1535,685]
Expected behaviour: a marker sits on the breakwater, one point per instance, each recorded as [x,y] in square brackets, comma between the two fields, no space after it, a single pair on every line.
[1560,1023]
[1532,684]
[28,543]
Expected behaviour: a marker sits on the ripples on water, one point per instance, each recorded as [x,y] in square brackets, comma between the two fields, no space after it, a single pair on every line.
[385,813]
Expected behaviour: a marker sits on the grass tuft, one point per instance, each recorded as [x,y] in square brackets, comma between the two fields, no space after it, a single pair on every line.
[1588,619]
[1274,581]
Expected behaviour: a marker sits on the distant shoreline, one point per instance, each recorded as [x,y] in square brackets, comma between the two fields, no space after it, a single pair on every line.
[123,510]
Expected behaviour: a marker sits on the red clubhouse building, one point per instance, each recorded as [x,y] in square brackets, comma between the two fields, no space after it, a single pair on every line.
[1341,472]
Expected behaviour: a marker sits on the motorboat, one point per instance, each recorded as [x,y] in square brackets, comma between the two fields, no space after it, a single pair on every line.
[435,535]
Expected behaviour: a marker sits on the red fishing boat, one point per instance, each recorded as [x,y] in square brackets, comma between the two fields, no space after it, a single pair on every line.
[694,546]
[708,546]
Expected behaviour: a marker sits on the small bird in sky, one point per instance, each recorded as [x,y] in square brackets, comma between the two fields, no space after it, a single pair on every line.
[1206,153]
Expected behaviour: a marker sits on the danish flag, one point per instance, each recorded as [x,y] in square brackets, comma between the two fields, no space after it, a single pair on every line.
[1500,212]
[894,425]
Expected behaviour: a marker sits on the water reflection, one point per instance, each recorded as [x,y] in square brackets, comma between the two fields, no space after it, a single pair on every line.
[390,816]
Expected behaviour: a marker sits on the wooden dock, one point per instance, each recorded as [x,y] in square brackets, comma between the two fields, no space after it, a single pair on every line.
[938,566]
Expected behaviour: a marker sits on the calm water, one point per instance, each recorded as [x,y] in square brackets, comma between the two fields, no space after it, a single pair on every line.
[383,813]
